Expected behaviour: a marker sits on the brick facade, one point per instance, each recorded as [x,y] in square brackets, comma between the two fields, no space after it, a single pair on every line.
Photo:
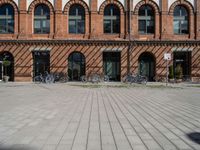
[94,41]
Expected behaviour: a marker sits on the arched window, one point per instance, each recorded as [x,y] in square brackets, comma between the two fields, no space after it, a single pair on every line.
[111,19]
[181,20]
[146,20]
[6,18]
[77,19]
[42,19]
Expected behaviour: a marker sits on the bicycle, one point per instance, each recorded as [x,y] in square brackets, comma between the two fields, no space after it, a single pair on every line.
[135,78]
[39,79]
[46,78]
[60,77]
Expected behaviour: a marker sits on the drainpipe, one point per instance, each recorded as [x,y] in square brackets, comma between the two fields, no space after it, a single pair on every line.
[129,36]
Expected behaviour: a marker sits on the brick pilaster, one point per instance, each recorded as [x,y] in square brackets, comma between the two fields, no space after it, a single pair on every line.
[164,27]
[58,19]
[197,19]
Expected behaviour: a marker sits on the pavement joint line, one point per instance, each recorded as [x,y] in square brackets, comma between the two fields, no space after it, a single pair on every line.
[109,121]
[176,134]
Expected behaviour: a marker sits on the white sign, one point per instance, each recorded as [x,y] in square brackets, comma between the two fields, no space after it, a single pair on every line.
[167,56]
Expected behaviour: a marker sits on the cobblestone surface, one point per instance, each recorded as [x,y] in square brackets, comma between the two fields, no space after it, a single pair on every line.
[64,117]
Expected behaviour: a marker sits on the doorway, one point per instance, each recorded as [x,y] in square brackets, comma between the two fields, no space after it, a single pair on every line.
[41,62]
[147,65]
[111,65]
[76,66]
[183,61]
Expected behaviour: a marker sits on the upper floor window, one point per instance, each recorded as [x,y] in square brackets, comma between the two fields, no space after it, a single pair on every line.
[111,19]
[42,19]
[77,19]
[146,20]
[181,20]
[6,18]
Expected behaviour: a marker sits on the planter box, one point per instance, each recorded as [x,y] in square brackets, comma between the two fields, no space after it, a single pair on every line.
[6,78]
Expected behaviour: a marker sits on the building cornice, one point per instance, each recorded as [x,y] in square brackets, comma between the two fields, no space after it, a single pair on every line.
[105,42]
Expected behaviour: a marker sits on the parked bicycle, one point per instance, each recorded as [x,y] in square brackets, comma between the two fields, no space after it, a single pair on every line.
[135,78]
[95,78]
[44,78]
[60,77]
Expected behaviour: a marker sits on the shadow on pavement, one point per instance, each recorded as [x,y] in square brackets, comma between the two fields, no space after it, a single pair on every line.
[16,148]
[194,136]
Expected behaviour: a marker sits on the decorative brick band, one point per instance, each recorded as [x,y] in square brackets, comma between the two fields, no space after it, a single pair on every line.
[72,2]
[147,2]
[107,2]
[37,2]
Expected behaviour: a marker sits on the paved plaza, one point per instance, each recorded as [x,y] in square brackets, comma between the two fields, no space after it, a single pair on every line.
[66,117]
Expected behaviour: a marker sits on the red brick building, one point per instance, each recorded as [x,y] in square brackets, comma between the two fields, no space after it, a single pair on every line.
[112,37]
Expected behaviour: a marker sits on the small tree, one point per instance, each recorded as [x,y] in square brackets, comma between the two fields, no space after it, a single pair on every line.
[6,63]
[179,71]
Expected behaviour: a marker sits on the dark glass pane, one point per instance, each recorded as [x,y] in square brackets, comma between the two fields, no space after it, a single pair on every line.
[142,26]
[76,10]
[176,27]
[184,11]
[116,11]
[107,26]
[72,26]
[116,26]
[150,26]
[81,26]
[177,11]
[184,27]
[42,10]
[7,9]
[142,11]
[149,11]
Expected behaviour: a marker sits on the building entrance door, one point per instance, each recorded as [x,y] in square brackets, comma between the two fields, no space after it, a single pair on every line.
[76,66]
[111,65]
[41,62]
[182,62]
[147,66]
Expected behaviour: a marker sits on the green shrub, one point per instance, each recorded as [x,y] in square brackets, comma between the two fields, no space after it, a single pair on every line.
[179,71]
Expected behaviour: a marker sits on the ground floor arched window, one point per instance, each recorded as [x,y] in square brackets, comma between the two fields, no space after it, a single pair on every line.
[7,65]
[147,65]
[76,66]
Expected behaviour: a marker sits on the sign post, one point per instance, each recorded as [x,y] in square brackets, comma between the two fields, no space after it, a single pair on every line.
[1,70]
[167,57]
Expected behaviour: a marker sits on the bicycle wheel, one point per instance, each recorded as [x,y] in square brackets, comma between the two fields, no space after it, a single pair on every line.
[106,78]
[83,78]
[48,79]
[64,79]
[37,79]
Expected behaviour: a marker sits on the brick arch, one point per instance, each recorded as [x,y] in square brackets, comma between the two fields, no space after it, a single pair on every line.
[150,3]
[107,2]
[11,2]
[184,3]
[36,2]
[72,2]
